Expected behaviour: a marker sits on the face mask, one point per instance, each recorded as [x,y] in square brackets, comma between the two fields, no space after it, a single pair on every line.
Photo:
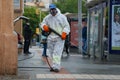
[53,12]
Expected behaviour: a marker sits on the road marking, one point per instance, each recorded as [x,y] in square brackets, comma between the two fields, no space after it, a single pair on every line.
[78,76]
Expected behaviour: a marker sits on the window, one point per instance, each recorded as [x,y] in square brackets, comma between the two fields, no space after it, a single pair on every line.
[16,4]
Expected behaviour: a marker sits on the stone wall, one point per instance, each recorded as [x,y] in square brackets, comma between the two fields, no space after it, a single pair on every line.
[8,41]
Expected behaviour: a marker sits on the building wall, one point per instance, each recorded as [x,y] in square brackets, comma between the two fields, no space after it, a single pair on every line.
[46,3]
[18,11]
[18,24]
[74,33]
[8,41]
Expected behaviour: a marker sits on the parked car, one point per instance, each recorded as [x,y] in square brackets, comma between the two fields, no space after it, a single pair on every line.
[19,37]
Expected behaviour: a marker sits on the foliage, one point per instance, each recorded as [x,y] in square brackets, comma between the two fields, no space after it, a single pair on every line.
[84,7]
[30,12]
[70,6]
[67,6]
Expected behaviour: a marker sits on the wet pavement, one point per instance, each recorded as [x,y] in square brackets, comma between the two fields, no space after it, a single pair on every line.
[74,67]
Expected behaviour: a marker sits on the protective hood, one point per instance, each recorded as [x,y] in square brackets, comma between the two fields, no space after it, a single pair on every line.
[58,12]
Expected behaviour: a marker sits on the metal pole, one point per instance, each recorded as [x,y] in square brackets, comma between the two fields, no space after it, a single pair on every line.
[80,26]
[40,15]
[39,29]
[88,33]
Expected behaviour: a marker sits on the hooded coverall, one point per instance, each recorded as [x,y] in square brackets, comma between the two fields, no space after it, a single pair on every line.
[60,24]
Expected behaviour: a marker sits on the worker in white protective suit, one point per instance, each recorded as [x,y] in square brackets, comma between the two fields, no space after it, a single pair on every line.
[58,22]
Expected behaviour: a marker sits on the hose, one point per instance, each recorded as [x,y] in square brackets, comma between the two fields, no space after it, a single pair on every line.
[48,63]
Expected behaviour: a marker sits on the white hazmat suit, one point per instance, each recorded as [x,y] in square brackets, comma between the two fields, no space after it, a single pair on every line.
[55,44]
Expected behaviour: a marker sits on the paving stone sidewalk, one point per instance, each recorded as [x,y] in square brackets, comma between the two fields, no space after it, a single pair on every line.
[74,67]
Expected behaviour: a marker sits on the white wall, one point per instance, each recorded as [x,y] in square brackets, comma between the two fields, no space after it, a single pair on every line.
[89,0]
[47,2]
